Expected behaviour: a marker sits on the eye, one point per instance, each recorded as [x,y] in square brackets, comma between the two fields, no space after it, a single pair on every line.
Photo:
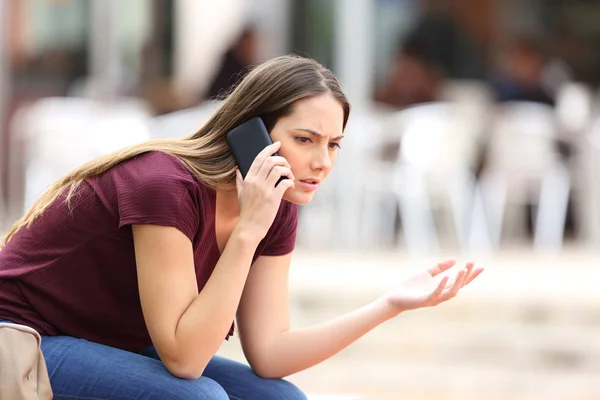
[303,139]
[335,146]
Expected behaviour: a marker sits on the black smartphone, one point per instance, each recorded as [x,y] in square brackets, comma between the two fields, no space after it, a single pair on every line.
[246,141]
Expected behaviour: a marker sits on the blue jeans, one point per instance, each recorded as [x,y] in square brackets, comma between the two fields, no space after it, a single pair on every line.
[80,369]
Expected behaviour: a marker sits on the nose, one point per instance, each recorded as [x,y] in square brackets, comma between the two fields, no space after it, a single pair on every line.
[322,160]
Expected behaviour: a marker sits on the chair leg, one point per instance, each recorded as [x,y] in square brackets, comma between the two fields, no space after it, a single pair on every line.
[468,214]
[493,189]
[478,233]
[378,218]
[418,223]
[552,211]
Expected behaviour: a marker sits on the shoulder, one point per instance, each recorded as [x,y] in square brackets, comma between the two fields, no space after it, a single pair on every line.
[157,188]
[154,175]
[155,165]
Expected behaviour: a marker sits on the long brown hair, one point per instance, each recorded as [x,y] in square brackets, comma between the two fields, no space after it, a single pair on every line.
[269,90]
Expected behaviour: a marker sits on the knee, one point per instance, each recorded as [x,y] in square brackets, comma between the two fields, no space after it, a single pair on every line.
[280,389]
[291,391]
[197,389]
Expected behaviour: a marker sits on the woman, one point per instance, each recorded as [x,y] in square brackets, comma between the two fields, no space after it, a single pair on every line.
[133,266]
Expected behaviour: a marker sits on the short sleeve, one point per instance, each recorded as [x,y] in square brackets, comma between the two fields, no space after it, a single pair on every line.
[156,192]
[281,239]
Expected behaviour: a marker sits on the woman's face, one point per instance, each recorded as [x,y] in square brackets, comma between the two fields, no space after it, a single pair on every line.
[310,140]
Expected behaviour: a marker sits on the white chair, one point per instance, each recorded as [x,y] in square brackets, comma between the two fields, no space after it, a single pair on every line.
[366,215]
[183,122]
[340,211]
[575,114]
[524,167]
[53,136]
[588,199]
[434,175]
[574,106]
[466,91]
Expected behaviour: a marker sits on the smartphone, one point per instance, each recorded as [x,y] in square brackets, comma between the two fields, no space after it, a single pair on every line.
[246,141]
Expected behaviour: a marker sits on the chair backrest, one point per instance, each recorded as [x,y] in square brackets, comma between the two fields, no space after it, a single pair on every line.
[466,91]
[184,122]
[574,106]
[523,139]
[438,138]
[59,134]
[360,155]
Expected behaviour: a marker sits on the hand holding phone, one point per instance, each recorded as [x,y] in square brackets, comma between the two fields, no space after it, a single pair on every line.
[265,177]
[246,141]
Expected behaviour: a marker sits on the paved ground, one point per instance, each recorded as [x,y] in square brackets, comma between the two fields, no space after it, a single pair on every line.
[527,329]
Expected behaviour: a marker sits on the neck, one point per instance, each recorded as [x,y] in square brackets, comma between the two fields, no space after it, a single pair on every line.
[228,204]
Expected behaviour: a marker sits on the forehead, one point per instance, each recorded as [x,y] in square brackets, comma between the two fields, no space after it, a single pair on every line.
[322,113]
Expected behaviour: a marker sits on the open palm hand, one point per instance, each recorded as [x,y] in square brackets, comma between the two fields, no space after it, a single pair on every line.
[428,287]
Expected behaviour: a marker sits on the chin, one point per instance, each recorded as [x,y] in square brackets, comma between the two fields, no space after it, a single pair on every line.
[299,197]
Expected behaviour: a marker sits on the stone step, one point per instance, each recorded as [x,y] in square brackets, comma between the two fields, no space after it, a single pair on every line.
[562,335]
[583,312]
[535,348]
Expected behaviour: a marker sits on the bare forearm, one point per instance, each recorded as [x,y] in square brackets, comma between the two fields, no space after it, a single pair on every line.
[296,350]
[204,325]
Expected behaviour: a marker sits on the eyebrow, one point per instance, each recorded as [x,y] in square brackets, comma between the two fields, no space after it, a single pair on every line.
[318,134]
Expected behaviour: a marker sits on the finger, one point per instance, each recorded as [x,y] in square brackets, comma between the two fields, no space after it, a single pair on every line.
[262,156]
[269,164]
[469,269]
[281,161]
[476,272]
[434,296]
[283,186]
[441,267]
[456,285]
[277,172]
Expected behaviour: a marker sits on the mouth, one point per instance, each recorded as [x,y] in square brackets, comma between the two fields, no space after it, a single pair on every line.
[310,184]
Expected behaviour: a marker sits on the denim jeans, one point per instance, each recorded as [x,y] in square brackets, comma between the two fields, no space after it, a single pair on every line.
[80,369]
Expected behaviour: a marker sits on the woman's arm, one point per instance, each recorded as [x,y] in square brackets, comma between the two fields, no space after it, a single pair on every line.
[271,348]
[185,326]
[275,351]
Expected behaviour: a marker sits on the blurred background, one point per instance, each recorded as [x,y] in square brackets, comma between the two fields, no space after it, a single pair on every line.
[475,134]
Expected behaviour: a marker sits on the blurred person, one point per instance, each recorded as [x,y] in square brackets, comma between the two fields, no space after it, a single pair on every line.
[438,47]
[133,266]
[234,63]
[520,77]
[521,71]
[412,79]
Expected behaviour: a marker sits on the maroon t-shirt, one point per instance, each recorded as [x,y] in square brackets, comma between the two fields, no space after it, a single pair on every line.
[73,271]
